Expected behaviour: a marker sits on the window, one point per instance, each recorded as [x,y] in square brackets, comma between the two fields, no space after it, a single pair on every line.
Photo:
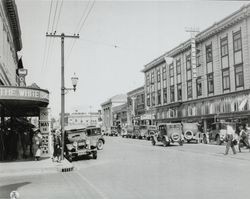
[209,55]
[158,75]
[237,41]
[210,83]
[189,89]
[148,79]
[172,94]
[152,78]
[159,97]
[179,92]
[199,86]
[153,98]
[164,95]
[148,100]
[171,72]
[188,62]
[239,79]
[164,73]
[178,66]
[224,47]
[226,79]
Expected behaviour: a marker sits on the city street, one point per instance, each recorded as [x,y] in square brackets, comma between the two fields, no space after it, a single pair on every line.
[128,168]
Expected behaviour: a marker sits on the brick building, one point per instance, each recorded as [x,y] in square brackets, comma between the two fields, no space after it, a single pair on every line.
[206,78]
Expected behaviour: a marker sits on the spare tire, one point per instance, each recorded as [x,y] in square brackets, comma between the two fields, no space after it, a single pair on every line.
[175,137]
[188,135]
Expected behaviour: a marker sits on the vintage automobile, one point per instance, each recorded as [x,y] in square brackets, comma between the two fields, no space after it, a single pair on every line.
[113,131]
[146,131]
[78,143]
[96,137]
[127,131]
[190,132]
[168,133]
[136,132]
[218,130]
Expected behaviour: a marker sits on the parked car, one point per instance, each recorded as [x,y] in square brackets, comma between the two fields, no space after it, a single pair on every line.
[147,131]
[96,137]
[78,143]
[218,131]
[168,133]
[190,132]
[127,131]
[136,132]
[113,131]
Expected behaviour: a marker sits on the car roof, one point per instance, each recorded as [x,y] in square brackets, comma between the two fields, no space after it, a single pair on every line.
[75,127]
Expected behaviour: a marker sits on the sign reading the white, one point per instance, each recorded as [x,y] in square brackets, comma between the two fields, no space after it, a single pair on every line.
[23,93]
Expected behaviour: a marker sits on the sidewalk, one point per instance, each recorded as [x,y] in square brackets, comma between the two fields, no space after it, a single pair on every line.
[29,167]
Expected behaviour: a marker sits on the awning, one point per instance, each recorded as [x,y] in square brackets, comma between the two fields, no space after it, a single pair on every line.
[22,101]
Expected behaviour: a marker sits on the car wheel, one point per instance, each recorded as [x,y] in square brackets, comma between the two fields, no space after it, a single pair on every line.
[100,145]
[181,143]
[218,141]
[94,155]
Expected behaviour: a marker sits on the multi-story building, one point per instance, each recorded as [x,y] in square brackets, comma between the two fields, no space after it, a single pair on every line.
[84,119]
[136,106]
[107,109]
[120,115]
[206,78]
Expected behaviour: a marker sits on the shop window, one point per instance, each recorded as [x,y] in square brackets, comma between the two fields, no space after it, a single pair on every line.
[189,89]
[237,41]
[226,79]
[210,83]
[239,78]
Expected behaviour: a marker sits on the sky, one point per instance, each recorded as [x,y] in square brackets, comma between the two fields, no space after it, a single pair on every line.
[116,40]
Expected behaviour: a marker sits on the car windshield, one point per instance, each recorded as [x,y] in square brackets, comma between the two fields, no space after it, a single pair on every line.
[143,127]
[93,132]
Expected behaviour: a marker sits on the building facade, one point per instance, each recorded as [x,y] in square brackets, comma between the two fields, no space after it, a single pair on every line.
[120,115]
[136,106]
[107,109]
[206,78]
[84,119]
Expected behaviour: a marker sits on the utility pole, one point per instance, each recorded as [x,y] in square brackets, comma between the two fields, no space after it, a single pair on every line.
[62,36]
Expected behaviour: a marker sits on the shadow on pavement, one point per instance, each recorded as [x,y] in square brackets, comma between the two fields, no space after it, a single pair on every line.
[23,160]
[6,189]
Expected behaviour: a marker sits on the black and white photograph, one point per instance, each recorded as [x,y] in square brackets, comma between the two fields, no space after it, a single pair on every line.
[124,99]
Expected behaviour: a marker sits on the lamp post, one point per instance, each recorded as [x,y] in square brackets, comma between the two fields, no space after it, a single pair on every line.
[74,81]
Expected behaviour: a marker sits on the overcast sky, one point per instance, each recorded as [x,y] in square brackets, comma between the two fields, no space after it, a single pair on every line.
[117,39]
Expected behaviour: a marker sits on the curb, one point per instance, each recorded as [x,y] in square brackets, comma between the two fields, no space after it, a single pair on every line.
[66,166]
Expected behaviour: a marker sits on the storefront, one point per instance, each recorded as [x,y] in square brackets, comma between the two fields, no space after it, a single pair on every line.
[16,105]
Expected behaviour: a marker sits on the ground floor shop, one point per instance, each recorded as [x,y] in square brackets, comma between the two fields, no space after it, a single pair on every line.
[18,107]
[231,107]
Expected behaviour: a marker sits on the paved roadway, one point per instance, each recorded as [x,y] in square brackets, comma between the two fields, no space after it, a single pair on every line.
[133,169]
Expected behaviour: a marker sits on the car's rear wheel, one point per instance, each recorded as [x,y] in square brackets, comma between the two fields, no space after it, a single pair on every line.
[100,145]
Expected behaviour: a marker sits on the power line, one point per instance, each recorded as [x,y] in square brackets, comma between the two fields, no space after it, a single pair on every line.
[86,16]
[59,15]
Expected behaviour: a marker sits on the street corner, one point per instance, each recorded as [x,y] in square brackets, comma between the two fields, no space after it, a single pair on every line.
[64,166]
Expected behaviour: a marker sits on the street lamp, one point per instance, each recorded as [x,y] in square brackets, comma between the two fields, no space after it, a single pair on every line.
[74,81]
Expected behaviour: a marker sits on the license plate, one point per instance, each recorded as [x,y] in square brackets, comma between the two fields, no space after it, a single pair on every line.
[81,152]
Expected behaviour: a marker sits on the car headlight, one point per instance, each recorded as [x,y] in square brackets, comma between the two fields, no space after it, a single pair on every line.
[74,144]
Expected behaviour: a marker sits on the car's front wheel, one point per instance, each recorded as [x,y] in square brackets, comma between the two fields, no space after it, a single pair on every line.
[100,145]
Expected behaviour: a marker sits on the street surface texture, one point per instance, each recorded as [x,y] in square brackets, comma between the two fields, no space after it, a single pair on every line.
[134,169]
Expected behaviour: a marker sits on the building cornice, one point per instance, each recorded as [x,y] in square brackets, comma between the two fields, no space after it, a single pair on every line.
[154,63]
[13,18]
[135,91]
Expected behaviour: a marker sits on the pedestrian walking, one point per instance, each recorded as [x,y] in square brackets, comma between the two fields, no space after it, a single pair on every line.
[230,139]
[37,142]
[243,138]
[57,146]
